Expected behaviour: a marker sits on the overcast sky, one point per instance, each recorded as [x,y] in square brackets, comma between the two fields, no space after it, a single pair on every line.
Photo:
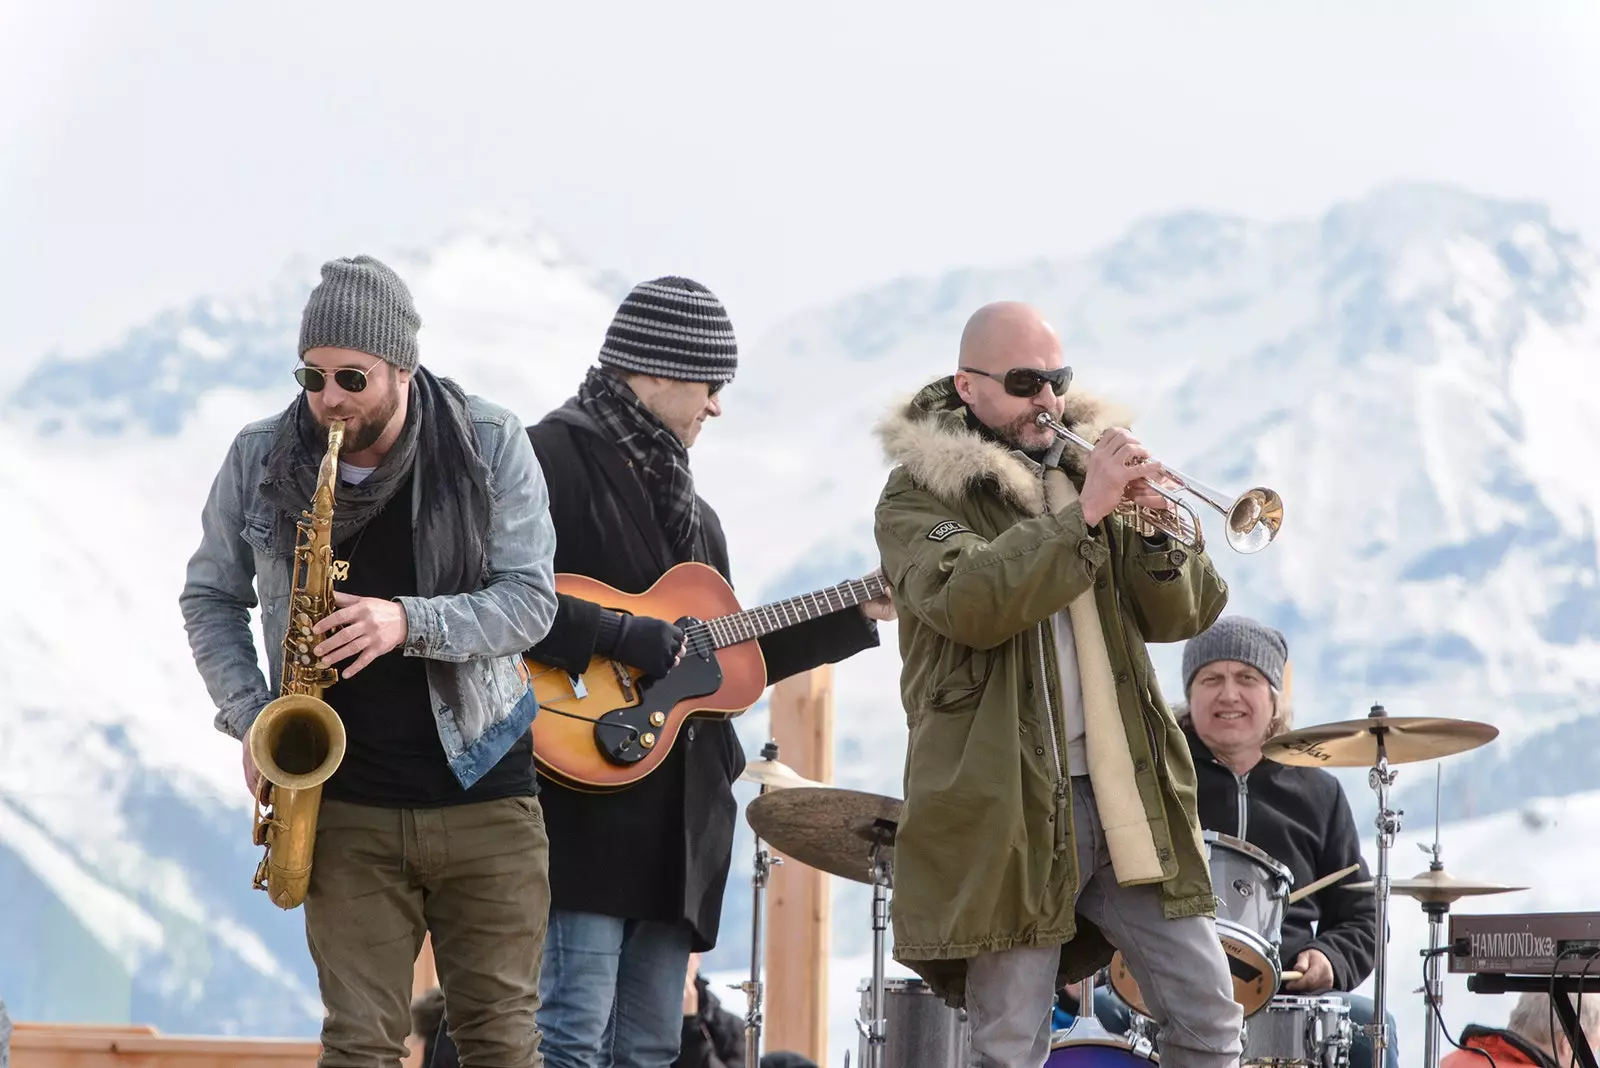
[783,154]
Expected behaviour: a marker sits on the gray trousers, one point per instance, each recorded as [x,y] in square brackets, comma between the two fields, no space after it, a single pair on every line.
[1179,965]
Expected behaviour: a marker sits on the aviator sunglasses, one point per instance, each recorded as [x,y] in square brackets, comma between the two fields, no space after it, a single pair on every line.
[350,379]
[1028,381]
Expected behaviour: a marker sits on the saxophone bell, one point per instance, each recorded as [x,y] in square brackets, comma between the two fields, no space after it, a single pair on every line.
[297,743]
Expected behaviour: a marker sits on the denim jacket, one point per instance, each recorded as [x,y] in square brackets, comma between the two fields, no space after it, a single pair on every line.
[473,642]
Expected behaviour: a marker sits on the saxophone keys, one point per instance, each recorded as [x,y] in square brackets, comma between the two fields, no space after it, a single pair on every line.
[339,570]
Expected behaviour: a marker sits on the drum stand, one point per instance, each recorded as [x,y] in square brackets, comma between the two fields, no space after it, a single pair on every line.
[1380,778]
[881,835]
[753,987]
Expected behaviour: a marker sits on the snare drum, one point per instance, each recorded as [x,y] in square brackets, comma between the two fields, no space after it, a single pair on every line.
[1312,1032]
[919,1029]
[1252,892]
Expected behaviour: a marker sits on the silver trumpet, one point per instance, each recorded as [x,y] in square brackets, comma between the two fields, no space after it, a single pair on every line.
[1253,518]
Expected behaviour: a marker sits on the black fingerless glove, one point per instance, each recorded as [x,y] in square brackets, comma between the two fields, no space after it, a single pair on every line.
[639,641]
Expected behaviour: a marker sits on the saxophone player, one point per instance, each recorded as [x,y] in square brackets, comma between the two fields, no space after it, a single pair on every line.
[430,822]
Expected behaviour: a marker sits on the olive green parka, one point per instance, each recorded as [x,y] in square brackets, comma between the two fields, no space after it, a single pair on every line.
[984,858]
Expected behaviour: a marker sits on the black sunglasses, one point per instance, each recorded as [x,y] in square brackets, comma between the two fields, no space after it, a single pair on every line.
[1028,381]
[350,379]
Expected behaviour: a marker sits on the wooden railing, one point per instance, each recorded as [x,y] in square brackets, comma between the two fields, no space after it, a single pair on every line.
[38,1045]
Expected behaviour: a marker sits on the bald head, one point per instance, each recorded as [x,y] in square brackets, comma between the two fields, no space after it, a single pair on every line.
[1001,337]
[1008,334]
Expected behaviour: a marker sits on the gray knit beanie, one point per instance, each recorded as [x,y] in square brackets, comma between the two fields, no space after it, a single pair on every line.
[361,304]
[1237,638]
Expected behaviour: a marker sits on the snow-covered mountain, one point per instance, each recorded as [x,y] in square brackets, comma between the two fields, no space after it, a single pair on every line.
[1414,372]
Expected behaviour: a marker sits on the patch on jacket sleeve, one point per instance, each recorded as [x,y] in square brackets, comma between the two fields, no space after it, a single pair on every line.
[948,529]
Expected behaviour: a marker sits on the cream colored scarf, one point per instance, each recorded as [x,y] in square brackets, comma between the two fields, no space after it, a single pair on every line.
[1122,816]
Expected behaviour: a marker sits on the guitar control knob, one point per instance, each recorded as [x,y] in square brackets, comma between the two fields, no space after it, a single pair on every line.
[658,719]
[648,740]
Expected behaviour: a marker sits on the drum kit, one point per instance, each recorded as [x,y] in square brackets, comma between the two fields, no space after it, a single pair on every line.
[901,1023]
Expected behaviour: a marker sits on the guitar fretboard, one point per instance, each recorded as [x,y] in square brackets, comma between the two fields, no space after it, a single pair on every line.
[754,622]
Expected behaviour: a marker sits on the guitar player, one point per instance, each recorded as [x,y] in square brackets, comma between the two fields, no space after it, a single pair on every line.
[637,875]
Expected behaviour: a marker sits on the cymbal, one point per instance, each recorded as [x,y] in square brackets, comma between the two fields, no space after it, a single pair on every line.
[1353,743]
[825,828]
[1438,887]
[774,775]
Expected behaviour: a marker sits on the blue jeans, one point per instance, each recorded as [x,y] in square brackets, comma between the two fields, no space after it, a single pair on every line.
[1361,1046]
[1115,1016]
[611,991]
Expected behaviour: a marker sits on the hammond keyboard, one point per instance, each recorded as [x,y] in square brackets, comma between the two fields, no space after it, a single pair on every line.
[1526,943]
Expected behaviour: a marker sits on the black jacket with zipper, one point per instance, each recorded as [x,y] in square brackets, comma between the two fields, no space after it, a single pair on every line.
[1301,818]
[659,850]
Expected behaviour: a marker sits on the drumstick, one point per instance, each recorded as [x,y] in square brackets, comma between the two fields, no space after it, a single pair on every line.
[1290,977]
[1326,880]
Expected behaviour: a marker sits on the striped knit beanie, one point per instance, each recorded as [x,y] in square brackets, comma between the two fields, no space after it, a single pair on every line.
[361,304]
[673,328]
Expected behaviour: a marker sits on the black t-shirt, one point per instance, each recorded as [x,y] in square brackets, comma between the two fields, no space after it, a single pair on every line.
[393,757]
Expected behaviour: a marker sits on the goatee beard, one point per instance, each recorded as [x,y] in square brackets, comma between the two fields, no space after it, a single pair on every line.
[1012,434]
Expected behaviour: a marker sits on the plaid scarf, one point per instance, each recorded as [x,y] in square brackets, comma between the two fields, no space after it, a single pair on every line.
[656,453]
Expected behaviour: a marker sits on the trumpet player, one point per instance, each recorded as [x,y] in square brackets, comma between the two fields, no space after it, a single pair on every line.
[1049,810]
[430,822]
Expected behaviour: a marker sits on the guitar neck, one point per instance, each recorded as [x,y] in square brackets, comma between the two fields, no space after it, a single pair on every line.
[753,623]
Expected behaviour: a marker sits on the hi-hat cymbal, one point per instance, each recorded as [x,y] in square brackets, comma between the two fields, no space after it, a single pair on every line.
[1438,887]
[1353,743]
[826,828]
[775,775]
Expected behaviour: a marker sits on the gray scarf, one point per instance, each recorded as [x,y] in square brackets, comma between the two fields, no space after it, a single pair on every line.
[453,514]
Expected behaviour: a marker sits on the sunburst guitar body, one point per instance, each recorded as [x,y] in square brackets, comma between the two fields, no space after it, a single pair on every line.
[610,727]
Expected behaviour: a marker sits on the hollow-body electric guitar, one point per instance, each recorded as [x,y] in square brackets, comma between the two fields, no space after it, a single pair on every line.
[611,726]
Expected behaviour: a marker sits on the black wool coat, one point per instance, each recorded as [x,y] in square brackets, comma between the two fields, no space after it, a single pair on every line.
[1301,818]
[660,849]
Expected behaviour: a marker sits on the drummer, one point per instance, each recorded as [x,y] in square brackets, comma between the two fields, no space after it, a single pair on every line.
[1233,686]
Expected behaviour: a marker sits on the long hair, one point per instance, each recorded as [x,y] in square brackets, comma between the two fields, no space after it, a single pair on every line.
[1282,721]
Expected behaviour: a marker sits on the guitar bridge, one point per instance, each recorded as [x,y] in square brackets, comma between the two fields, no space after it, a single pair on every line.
[624,682]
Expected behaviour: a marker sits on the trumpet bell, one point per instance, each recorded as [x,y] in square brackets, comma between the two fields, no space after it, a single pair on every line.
[297,741]
[1254,520]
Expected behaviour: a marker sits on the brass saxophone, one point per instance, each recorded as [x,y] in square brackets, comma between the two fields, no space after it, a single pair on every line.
[298,740]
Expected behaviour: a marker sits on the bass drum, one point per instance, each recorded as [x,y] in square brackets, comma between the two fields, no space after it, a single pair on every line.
[1069,1052]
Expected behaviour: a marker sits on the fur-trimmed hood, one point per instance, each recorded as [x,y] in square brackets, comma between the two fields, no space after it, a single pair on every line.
[929,437]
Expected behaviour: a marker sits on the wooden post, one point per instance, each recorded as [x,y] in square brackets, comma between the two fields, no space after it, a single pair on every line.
[798,911]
